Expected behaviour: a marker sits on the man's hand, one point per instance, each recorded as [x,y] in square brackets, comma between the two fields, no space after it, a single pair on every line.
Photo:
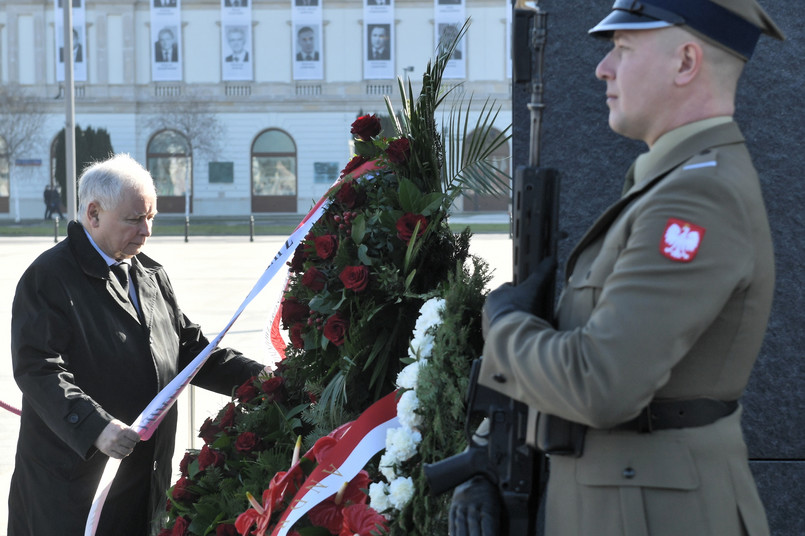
[508,298]
[475,509]
[117,440]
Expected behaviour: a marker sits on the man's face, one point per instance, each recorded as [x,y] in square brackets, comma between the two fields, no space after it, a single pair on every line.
[378,37]
[306,41]
[122,232]
[639,72]
[236,42]
[165,40]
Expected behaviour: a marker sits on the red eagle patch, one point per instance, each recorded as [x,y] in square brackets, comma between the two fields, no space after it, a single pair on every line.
[681,240]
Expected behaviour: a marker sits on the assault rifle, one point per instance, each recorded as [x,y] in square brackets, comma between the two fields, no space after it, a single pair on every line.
[509,458]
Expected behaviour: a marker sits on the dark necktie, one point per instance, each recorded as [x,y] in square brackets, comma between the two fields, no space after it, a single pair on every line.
[121,271]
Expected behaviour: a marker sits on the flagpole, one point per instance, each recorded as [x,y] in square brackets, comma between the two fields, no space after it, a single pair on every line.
[69,119]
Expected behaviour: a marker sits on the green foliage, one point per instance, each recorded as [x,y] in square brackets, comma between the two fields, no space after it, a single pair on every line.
[90,146]
[441,390]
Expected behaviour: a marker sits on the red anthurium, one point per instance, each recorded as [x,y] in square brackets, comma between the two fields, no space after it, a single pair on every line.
[360,520]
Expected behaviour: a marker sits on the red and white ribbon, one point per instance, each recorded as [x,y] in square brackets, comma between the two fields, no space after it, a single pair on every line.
[364,438]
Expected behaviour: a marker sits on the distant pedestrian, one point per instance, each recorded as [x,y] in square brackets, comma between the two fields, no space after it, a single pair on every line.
[54,204]
[46,195]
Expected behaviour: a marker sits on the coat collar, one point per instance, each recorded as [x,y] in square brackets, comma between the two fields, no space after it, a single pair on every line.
[668,157]
[143,270]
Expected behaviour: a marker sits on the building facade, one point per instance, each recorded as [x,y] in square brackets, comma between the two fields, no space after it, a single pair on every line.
[235,109]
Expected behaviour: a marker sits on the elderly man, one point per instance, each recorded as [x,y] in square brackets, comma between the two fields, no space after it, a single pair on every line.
[666,299]
[96,333]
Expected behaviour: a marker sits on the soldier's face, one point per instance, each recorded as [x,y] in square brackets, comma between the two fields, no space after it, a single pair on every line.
[640,74]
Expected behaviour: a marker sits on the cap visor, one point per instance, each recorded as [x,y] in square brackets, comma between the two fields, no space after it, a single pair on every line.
[623,20]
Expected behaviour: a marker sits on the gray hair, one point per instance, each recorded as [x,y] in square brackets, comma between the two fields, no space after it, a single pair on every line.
[104,182]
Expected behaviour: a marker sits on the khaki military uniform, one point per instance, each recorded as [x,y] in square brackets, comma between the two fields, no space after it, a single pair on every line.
[667,298]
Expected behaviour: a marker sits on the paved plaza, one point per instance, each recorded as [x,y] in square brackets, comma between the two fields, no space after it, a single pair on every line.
[211,276]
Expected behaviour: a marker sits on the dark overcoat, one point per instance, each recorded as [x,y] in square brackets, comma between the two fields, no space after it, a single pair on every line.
[82,356]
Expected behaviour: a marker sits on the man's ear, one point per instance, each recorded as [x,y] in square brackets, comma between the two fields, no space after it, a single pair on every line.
[691,57]
[93,212]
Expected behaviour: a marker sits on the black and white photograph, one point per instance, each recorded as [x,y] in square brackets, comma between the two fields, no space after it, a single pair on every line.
[164,3]
[237,40]
[306,43]
[378,42]
[166,49]
[236,3]
[78,48]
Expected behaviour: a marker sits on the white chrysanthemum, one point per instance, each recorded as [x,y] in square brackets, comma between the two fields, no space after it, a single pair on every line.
[430,314]
[408,376]
[386,465]
[379,496]
[421,346]
[406,410]
[401,490]
[401,443]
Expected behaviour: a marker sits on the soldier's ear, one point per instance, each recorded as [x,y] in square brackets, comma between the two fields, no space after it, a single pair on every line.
[691,57]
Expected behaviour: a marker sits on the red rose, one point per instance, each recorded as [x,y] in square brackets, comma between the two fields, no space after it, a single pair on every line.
[398,150]
[314,279]
[335,329]
[326,246]
[296,335]
[407,223]
[352,165]
[366,127]
[274,388]
[228,418]
[247,391]
[180,526]
[226,529]
[208,431]
[209,457]
[297,261]
[181,491]
[293,311]
[362,520]
[246,442]
[349,196]
[185,463]
[355,278]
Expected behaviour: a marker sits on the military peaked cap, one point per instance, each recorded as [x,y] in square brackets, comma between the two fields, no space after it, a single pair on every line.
[734,25]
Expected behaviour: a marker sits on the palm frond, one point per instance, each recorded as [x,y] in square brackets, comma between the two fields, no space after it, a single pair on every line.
[470,147]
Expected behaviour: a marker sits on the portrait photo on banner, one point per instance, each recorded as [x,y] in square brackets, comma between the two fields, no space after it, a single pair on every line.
[378,42]
[307,42]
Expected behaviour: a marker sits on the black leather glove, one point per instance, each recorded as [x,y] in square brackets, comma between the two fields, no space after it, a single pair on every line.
[508,298]
[475,508]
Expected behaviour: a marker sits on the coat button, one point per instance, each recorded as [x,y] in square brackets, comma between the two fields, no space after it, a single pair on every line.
[72,418]
[155,465]
[500,378]
[629,473]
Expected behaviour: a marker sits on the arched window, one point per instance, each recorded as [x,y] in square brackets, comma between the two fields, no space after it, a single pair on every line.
[274,184]
[170,161]
[477,202]
[5,186]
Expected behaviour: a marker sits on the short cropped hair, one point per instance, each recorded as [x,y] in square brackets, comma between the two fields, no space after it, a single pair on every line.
[104,182]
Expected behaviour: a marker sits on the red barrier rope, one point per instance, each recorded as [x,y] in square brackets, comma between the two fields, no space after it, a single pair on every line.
[10,408]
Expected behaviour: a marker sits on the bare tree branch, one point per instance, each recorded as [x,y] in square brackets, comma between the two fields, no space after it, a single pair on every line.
[193,116]
[21,121]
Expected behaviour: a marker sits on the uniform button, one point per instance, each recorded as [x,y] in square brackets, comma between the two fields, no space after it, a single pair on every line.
[72,418]
[500,378]
[629,473]
[155,465]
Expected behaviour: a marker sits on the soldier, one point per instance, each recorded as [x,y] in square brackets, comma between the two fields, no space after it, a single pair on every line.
[666,299]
